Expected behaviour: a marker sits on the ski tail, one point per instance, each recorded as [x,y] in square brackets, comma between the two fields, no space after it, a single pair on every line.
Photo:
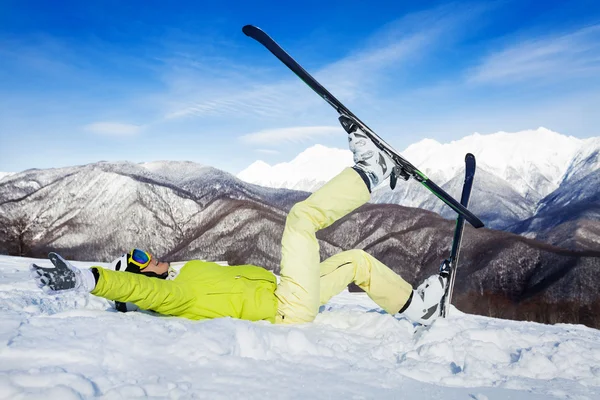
[404,168]
[451,264]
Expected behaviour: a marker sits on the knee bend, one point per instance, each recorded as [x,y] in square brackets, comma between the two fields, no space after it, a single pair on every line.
[360,265]
[359,258]
[301,215]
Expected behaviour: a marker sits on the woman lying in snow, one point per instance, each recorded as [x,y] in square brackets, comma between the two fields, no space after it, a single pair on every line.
[207,290]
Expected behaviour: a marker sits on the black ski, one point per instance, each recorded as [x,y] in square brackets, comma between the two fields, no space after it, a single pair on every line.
[349,121]
[451,264]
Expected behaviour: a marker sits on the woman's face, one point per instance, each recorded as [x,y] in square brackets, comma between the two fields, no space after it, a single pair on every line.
[156,266]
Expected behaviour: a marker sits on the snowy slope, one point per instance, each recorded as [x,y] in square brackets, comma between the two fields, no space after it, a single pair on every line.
[70,346]
[585,161]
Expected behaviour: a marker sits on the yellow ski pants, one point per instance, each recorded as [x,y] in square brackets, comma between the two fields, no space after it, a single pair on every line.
[306,282]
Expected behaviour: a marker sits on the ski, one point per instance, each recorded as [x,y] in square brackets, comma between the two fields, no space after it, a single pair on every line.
[349,121]
[451,264]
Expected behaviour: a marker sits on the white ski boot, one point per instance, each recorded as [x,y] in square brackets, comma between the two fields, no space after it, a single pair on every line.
[425,303]
[376,164]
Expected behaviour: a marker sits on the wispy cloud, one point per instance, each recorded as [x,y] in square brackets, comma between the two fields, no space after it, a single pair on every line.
[199,86]
[236,100]
[293,134]
[267,151]
[397,46]
[227,91]
[549,58]
[113,128]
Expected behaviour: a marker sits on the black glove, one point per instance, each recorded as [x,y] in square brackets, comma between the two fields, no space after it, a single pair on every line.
[62,277]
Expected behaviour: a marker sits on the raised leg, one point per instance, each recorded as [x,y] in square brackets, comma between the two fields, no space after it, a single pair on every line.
[299,291]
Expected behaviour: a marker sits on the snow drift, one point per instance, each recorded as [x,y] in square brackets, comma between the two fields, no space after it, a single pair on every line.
[72,346]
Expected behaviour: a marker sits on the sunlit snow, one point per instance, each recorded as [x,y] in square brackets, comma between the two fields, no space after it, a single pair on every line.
[74,346]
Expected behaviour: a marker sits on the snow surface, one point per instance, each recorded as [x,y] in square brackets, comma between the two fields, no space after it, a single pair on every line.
[72,346]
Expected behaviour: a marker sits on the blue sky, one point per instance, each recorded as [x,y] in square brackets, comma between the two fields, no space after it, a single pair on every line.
[82,81]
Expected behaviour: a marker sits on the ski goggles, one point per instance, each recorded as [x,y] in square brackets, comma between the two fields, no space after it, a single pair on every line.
[139,257]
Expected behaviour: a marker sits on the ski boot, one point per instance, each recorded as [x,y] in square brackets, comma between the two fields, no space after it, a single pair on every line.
[424,303]
[369,159]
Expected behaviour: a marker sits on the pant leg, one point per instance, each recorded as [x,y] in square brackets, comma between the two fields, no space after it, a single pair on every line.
[298,292]
[383,285]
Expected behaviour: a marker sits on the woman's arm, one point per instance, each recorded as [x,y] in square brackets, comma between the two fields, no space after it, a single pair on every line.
[164,297]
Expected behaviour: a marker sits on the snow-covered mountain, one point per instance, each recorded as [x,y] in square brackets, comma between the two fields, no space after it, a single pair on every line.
[307,172]
[519,168]
[104,208]
[532,161]
[73,346]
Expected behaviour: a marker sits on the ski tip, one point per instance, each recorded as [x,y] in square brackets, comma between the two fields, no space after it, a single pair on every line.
[470,162]
[249,30]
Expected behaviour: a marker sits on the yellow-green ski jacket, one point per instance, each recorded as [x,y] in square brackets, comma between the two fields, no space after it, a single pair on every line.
[201,290]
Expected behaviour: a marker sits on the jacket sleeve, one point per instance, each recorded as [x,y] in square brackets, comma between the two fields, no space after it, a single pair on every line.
[164,297]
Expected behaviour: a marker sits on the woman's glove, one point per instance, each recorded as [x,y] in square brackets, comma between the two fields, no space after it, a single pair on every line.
[63,277]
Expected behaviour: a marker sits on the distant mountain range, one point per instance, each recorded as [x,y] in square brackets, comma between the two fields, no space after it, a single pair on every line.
[98,210]
[181,211]
[522,184]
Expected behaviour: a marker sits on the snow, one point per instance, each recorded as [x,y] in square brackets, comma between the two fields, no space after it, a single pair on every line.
[73,346]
